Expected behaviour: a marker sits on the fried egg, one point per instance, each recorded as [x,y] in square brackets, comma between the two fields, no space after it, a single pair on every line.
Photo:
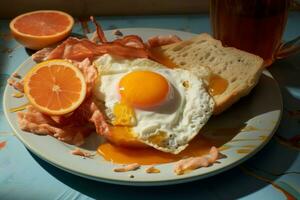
[164,108]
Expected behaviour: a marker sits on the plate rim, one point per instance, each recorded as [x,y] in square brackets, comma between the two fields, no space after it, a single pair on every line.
[178,179]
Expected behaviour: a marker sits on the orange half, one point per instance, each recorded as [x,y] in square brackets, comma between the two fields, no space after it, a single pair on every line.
[55,87]
[39,29]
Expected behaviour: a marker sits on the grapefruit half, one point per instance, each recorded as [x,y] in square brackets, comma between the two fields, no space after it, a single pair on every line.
[42,28]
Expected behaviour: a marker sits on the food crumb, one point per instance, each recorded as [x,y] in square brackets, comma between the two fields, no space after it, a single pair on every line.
[78,152]
[189,164]
[131,176]
[18,95]
[186,84]
[117,32]
[152,170]
[18,85]
[16,75]
[126,168]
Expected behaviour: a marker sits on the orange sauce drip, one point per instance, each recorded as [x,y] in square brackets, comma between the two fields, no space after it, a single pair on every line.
[217,85]
[148,156]
[243,151]
[159,57]
[18,95]
[2,144]
[250,128]
[19,108]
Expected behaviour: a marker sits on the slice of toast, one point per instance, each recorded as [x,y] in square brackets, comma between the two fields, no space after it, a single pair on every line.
[241,70]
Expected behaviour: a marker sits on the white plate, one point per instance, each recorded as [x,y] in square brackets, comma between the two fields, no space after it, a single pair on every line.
[260,112]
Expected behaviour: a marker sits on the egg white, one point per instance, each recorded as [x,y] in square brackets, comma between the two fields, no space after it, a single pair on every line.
[168,127]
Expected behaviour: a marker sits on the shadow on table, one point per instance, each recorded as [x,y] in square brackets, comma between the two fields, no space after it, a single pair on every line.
[235,183]
[287,74]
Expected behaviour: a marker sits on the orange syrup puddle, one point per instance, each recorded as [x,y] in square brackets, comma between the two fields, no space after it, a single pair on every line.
[150,156]
[217,85]
[199,146]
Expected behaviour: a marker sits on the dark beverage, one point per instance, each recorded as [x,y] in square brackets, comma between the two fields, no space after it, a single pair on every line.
[255,26]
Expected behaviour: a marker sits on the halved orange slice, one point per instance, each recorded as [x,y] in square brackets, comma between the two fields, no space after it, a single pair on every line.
[55,87]
[38,29]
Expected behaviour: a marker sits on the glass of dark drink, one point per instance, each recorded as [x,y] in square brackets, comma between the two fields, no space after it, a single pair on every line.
[255,26]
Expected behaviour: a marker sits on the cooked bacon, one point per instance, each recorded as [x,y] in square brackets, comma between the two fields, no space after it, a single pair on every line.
[126,168]
[80,49]
[160,40]
[36,122]
[99,31]
[152,170]
[130,46]
[73,49]
[131,41]
[98,119]
[41,55]
[94,38]
[87,113]
[18,85]
[90,74]
[126,51]
[192,163]
[79,152]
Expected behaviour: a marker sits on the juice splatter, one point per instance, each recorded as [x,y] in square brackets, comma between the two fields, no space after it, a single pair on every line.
[2,144]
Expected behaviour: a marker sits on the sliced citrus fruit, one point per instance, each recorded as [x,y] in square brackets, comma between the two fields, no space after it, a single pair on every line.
[38,29]
[55,87]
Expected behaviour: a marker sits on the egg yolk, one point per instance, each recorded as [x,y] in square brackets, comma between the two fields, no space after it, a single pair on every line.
[143,89]
[124,115]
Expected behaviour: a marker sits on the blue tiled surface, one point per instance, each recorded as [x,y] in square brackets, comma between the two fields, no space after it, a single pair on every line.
[25,176]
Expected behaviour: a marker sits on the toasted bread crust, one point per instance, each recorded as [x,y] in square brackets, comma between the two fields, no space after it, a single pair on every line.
[241,69]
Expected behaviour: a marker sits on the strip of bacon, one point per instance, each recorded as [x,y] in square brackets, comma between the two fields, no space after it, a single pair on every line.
[42,54]
[160,40]
[35,122]
[90,74]
[87,112]
[18,85]
[79,152]
[80,49]
[130,46]
[126,168]
[131,41]
[99,31]
[192,163]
